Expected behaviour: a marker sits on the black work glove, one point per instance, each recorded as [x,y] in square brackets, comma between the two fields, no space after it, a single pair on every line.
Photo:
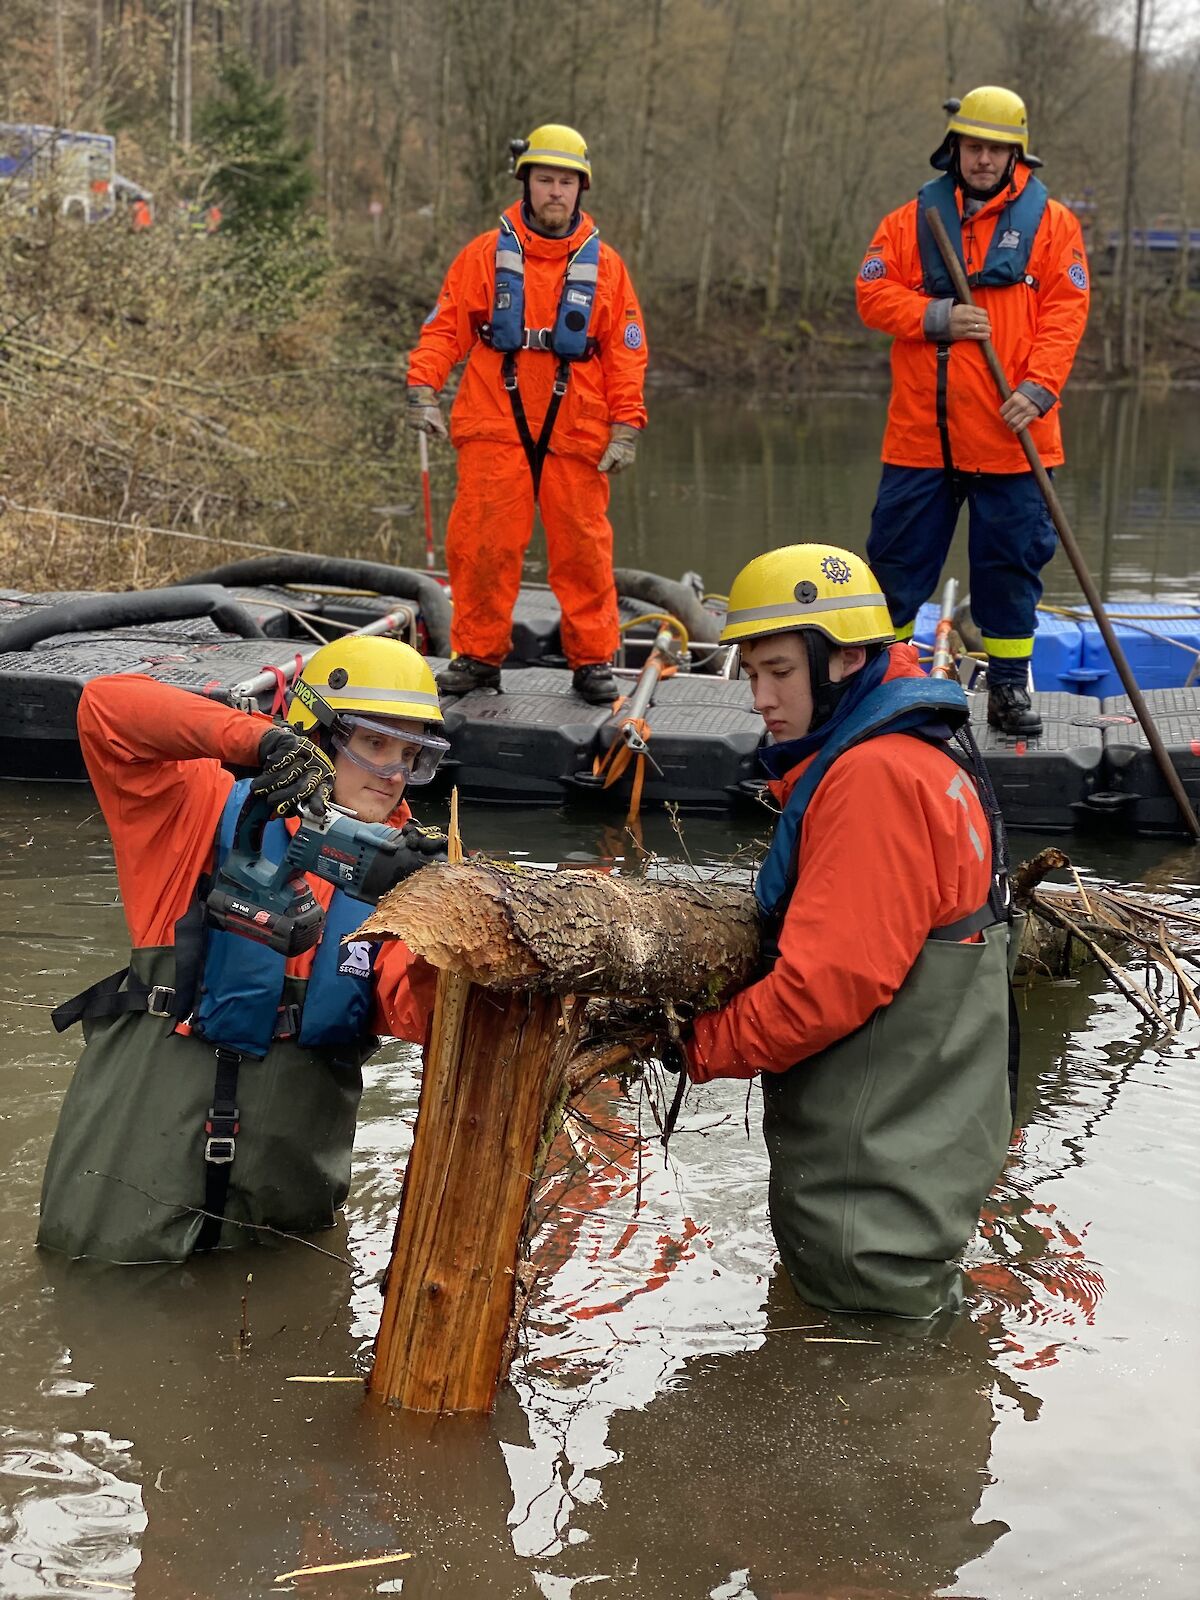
[428,843]
[295,773]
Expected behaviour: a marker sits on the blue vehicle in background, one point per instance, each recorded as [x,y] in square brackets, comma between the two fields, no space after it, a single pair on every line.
[76,171]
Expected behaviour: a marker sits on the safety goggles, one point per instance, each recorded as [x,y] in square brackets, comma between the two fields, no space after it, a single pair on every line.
[388,751]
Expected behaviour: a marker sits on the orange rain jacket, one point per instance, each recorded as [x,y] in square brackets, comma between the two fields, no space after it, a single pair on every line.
[1035,330]
[154,754]
[886,855]
[604,390]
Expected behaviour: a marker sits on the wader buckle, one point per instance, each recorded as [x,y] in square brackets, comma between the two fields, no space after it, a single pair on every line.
[221,1143]
[561,378]
[160,997]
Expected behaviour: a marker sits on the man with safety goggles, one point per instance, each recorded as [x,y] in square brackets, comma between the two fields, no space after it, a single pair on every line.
[219,1084]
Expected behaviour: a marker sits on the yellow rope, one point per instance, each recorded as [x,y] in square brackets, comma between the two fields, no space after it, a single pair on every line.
[1079,615]
[665,617]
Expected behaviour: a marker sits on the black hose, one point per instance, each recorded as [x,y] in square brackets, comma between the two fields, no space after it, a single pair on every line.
[132,609]
[664,594]
[403,582]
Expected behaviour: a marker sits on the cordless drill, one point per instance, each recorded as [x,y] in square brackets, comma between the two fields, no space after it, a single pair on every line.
[272,903]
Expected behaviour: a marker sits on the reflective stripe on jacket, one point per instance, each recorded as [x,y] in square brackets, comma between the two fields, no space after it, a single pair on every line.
[1036,328]
[601,391]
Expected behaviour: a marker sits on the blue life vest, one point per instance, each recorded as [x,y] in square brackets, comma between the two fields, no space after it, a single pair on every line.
[899,706]
[242,982]
[1007,259]
[568,339]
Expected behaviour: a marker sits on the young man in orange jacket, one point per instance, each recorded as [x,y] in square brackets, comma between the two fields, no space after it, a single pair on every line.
[216,1096]
[948,436]
[549,405]
[880,1026]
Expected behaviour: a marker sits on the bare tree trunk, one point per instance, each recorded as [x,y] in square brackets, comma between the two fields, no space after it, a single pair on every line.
[711,188]
[394,157]
[950,21]
[60,67]
[1127,276]
[783,165]
[641,238]
[441,192]
[174,89]
[185,118]
[322,131]
[98,44]
[1183,264]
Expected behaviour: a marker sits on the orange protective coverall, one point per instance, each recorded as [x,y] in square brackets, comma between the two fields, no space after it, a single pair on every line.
[1036,330]
[886,854]
[154,754]
[492,519]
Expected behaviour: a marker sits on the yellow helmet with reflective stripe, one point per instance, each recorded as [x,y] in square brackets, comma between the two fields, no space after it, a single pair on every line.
[992,114]
[556,145]
[378,676]
[808,586]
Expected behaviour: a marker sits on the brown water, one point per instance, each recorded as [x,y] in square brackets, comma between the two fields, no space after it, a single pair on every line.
[677,1424]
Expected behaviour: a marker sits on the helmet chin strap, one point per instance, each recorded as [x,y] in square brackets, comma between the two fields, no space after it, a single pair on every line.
[826,695]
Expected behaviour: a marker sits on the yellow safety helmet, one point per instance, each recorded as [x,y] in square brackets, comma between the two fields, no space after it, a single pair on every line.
[808,586]
[554,145]
[990,113]
[372,676]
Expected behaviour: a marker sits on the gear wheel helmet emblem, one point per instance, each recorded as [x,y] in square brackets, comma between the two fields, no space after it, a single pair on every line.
[836,570]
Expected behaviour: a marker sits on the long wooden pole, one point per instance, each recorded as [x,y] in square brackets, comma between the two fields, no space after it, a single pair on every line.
[1059,517]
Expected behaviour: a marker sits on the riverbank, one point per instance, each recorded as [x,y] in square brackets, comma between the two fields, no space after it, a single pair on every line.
[796,357]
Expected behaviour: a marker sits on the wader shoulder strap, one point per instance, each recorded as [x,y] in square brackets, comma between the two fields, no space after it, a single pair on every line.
[943,411]
[221,1129]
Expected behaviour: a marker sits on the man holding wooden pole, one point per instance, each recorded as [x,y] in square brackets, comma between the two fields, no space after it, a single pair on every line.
[949,438]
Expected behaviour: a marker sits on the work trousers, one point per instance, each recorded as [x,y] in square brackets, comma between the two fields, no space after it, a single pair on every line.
[489,530]
[1010,540]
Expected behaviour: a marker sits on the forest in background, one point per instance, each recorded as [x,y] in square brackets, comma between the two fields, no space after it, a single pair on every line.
[246,385]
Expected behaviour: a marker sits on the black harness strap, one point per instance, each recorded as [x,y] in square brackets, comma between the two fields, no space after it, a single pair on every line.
[108,999]
[535,449]
[220,1146]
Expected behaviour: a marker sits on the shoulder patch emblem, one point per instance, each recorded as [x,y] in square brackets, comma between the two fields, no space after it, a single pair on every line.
[1077,275]
[873,268]
[1010,239]
[633,336]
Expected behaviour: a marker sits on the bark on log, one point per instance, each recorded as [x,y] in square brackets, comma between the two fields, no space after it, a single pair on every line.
[581,932]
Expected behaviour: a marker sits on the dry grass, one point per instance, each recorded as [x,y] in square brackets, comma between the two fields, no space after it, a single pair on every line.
[134,390]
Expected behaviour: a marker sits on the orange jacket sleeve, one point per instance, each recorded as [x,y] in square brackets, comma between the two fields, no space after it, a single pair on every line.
[888,853]
[154,754]
[623,349]
[405,986]
[465,301]
[1062,302]
[887,288]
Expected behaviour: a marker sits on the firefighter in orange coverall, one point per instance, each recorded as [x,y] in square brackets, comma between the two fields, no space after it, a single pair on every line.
[219,1083]
[550,403]
[881,1026]
[948,436]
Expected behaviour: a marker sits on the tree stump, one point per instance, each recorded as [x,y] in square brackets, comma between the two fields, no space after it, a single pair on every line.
[515,948]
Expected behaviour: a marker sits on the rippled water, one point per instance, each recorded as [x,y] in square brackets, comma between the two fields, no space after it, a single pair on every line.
[678,1424]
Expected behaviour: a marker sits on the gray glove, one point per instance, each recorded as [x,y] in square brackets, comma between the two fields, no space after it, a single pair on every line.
[424,415]
[621,448]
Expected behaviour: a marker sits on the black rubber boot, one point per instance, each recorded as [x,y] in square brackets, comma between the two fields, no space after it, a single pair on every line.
[1010,710]
[596,684]
[465,673]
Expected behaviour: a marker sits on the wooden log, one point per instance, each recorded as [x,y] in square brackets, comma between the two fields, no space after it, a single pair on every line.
[514,947]
[576,932]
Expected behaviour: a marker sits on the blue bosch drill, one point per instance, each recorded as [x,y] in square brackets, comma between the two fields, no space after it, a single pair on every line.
[272,902]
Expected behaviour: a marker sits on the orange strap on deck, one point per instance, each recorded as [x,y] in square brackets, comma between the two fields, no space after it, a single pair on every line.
[616,759]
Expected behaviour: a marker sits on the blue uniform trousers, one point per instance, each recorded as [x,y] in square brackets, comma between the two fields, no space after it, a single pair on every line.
[1010,540]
